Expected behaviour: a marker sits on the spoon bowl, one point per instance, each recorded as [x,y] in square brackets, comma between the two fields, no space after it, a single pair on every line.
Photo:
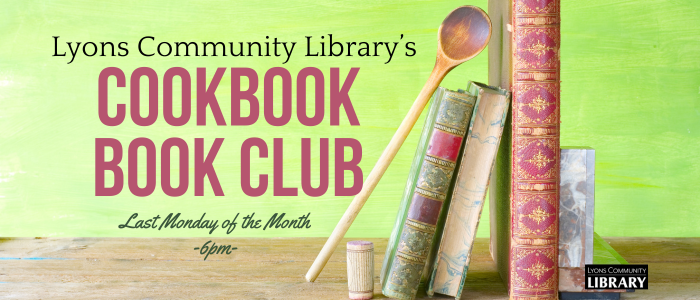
[464,33]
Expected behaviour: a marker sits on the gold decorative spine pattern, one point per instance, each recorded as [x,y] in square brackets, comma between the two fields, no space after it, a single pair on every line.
[430,194]
[440,162]
[535,51]
[420,226]
[449,129]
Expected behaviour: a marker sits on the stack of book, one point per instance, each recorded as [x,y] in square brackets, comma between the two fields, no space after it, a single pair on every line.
[505,140]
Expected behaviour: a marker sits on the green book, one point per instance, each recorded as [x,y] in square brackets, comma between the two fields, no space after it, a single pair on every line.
[427,191]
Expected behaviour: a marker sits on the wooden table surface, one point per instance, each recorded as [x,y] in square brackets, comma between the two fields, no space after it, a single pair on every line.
[271,268]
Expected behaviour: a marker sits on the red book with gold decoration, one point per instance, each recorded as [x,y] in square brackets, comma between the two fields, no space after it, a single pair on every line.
[527,168]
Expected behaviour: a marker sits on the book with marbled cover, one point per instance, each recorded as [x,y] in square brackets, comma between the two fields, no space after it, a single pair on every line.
[449,270]
[525,58]
[427,188]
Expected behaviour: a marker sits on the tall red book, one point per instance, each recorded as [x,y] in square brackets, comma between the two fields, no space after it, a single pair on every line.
[524,57]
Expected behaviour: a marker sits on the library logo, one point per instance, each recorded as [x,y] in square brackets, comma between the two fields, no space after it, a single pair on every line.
[612,277]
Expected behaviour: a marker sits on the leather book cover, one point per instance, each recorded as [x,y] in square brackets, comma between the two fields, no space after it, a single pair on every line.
[453,256]
[524,57]
[426,190]
[535,150]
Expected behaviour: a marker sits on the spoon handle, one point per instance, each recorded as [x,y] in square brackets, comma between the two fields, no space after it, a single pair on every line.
[397,140]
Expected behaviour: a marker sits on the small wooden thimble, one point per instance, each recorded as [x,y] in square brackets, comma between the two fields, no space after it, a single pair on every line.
[361,270]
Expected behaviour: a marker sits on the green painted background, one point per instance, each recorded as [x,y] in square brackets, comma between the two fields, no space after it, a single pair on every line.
[631,90]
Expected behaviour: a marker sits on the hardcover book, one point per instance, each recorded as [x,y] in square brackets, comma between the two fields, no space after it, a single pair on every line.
[576,215]
[427,187]
[452,258]
[576,207]
[524,56]
[499,186]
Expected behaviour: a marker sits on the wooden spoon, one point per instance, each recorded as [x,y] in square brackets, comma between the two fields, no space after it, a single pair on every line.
[462,35]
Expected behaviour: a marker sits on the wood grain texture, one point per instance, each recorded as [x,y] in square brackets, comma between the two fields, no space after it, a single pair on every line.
[165,268]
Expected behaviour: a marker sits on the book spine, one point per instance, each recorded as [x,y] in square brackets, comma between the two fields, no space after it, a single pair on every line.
[535,150]
[575,203]
[453,256]
[413,174]
[500,74]
[431,190]
[576,209]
